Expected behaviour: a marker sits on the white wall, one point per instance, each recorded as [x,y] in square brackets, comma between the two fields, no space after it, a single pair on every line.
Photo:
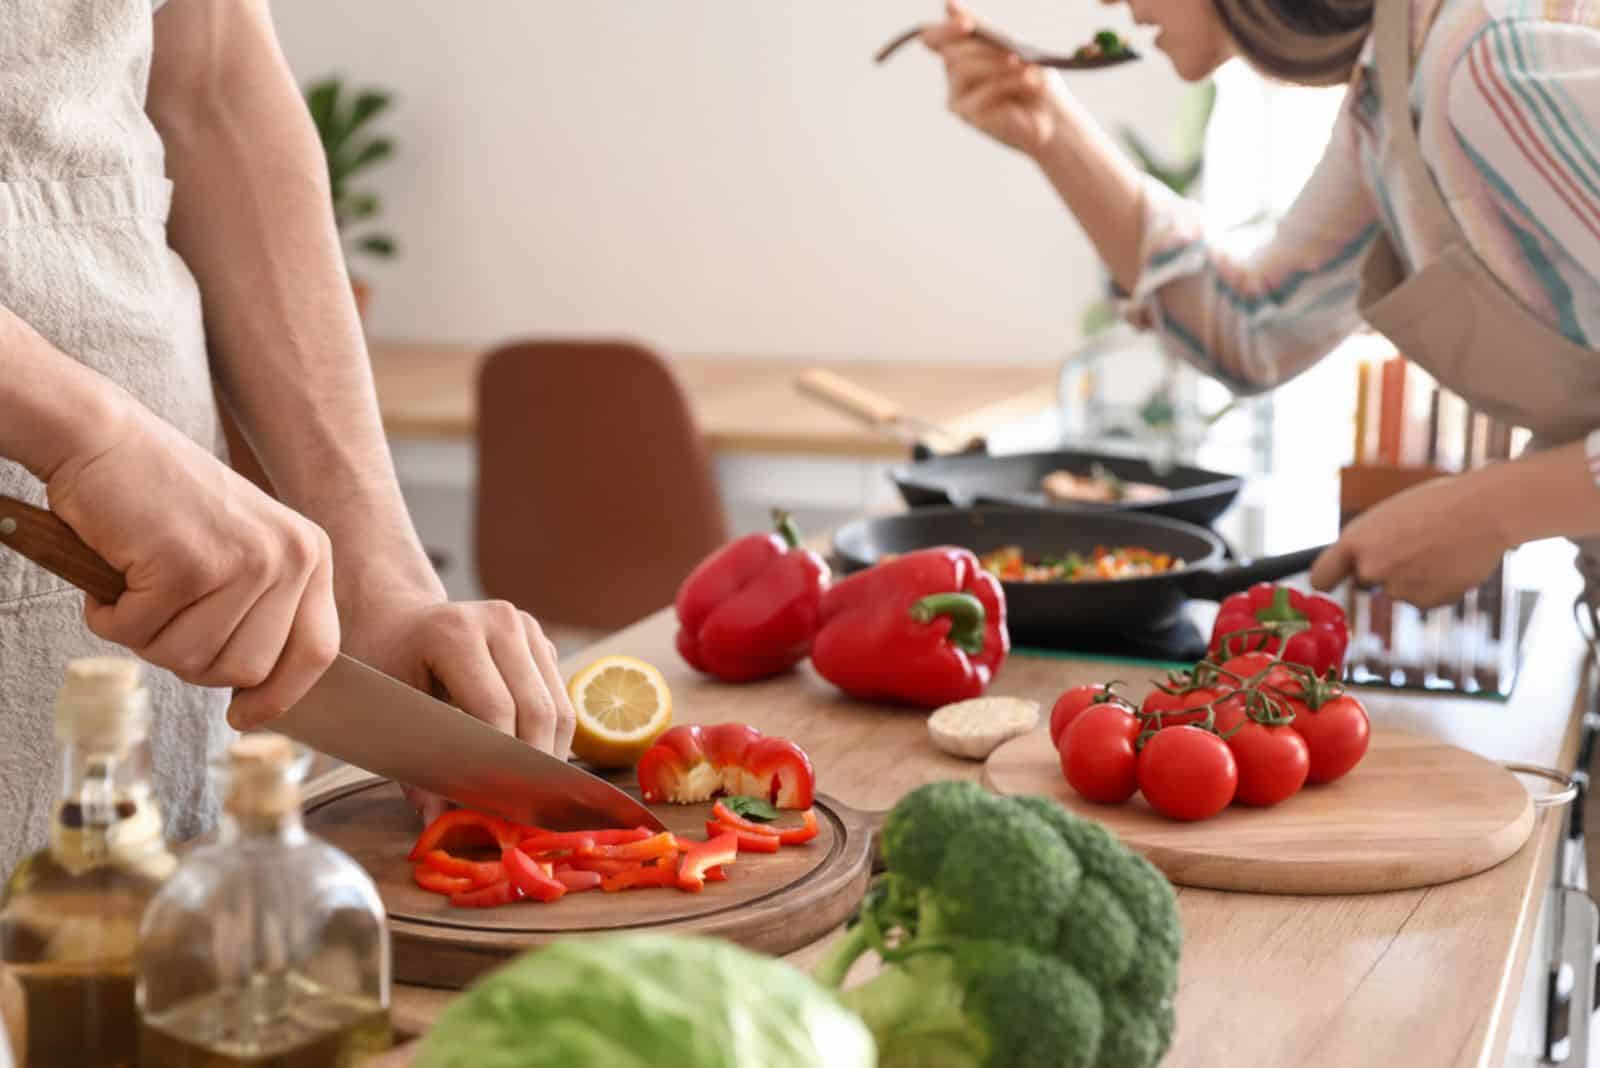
[716,176]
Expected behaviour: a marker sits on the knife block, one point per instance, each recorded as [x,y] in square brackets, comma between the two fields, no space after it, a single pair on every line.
[1468,647]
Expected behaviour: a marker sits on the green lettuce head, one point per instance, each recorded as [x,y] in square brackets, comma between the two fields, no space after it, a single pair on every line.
[623,1001]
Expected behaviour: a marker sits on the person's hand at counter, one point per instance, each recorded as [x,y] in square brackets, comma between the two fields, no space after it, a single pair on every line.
[992,89]
[1432,543]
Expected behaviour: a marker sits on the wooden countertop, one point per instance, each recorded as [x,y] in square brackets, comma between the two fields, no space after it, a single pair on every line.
[742,404]
[1424,977]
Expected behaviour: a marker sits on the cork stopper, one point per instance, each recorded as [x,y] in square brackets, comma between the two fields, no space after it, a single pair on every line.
[101,702]
[264,772]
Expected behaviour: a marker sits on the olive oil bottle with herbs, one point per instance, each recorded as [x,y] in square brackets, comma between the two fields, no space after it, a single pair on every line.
[69,918]
[269,947]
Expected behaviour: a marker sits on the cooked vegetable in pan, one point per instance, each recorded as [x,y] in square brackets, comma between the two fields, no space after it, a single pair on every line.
[1009,565]
[1098,485]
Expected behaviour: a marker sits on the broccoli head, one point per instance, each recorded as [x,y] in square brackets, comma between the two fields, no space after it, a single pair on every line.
[1014,934]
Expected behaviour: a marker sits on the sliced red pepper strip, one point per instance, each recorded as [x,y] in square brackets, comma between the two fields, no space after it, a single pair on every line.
[576,881]
[603,865]
[557,842]
[715,874]
[503,892]
[437,882]
[803,833]
[748,843]
[531,877]
[638,877]
[657,845]
[479,872]
[723,849]
[464,826]
[723,814]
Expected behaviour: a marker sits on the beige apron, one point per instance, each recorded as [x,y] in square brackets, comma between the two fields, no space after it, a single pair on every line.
[84,260]
[1450,314]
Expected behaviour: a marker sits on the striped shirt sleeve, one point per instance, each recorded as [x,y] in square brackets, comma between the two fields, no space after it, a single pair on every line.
[1255,318]
[1524,103]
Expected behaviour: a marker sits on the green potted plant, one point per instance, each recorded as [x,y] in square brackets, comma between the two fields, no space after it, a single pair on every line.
[343,120]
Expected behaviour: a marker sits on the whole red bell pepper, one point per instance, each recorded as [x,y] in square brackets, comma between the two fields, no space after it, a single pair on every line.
[925,629]
[1310,629]
[750,609]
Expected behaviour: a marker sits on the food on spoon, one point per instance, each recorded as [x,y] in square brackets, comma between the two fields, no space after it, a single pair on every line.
[1009,564]
[691,763]
[1107,44]
[623,705]
[1043,940]
[925,629]
[750,609]
[1309,629]
[1099,486]
[974,729]
[646,999]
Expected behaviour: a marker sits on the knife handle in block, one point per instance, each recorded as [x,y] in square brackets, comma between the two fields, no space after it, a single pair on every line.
[47,541]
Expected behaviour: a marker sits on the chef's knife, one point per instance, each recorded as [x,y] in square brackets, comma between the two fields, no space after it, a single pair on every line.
[363,717]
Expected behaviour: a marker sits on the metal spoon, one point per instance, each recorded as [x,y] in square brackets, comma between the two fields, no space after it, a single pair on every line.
[1026,53]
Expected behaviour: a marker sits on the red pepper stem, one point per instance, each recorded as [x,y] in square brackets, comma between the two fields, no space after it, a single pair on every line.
[965,613]
[786,527]
[1281,610]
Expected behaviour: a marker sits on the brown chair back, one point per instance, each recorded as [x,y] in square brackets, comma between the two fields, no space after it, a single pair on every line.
[596,493]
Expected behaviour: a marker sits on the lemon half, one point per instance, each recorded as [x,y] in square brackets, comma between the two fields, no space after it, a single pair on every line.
[623,705]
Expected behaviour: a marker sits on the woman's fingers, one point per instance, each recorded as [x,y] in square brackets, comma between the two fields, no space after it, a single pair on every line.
[193,645]
[1331,568]
[996,91]
[468,671]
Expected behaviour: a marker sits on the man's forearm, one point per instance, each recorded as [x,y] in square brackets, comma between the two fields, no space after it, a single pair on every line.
[252,218]
[51,406]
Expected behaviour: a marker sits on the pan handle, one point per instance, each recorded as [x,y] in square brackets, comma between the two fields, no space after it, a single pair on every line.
[1213,584]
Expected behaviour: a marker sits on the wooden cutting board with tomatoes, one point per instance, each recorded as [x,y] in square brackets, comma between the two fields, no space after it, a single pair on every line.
[1414,812]
[773,902]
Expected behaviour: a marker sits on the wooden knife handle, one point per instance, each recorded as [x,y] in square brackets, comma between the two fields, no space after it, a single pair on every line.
[849,398]
[50,543]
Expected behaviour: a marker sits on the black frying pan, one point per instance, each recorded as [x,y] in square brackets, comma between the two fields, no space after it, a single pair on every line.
[1035,609]
[1194,494]
[968,475]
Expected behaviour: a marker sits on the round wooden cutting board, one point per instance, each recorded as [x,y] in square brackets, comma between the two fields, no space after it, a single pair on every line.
[774,902]
[1414,812]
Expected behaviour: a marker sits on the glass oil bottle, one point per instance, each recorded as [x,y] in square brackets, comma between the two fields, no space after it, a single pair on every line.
[69,918]
[269,947]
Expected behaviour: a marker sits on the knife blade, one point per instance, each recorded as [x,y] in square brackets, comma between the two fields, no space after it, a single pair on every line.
[358,714]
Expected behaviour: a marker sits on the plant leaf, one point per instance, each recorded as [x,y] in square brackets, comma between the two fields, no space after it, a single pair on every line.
[367,106]
[321,100]
[1193,117]
[751,808]
[358,206]
[380,245]
[372,152]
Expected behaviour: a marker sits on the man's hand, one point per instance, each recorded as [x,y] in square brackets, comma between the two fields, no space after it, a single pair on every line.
[225,586]
[485,657]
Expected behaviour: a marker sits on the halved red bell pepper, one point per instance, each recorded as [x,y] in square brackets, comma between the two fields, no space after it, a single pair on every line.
[1310,629]
[723,849]
[926,629]
[437,882]
[467,827]
[504,892]
[748,842]
[749,609]
[723,814]
[529,877]
[691,763]
[803,833]
[478,872]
